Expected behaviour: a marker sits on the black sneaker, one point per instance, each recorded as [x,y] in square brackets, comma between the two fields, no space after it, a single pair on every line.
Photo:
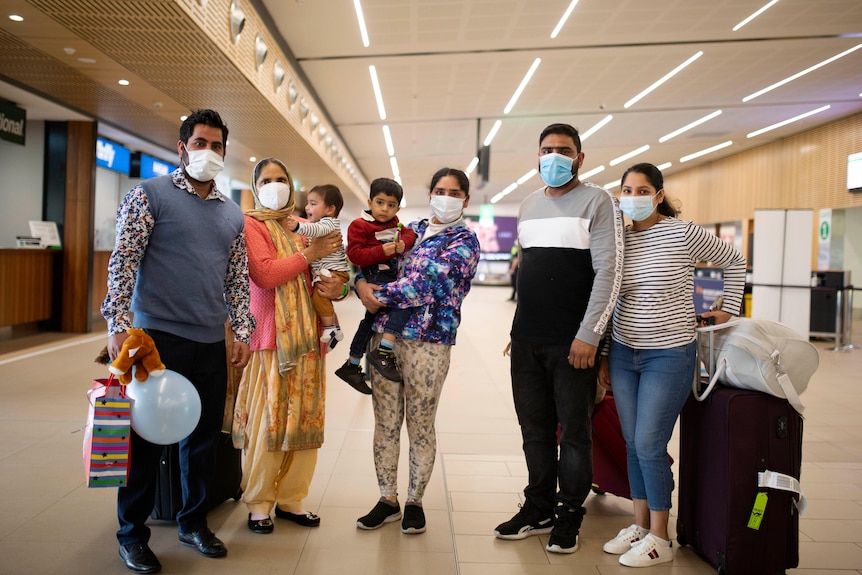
[414,519]
[383,512]
[353,375]
[567,525]
[385,363]
[526,522]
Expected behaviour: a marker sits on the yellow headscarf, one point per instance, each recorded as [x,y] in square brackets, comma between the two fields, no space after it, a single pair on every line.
[295,320]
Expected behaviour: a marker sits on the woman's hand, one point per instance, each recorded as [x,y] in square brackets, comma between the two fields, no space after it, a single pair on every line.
[605,373]
[320,247]
[330,287]
[720,316]
[365,291]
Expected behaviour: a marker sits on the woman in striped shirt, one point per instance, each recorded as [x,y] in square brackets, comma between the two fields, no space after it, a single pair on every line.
[652,355]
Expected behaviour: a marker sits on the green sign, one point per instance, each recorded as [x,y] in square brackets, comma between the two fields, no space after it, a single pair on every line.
[824,230]
[13,123]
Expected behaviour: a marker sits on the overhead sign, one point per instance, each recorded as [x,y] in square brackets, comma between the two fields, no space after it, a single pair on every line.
[13,123]
[112,156]
[152,167]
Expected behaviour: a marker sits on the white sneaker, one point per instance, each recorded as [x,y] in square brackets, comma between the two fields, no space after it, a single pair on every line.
[625,539]
[647,552]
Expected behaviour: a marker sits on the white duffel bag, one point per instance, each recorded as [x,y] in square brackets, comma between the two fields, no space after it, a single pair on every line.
[757,354]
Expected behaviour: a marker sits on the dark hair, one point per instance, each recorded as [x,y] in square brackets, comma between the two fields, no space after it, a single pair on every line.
[656,180]
[386,186]
[265,162]
[463,180]
[564,129]
[330,195]
[205,117]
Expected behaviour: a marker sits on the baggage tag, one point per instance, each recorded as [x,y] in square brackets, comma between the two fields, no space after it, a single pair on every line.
[758,511]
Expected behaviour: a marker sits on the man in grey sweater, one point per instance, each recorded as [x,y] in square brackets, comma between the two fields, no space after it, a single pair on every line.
[570,268]
[180,265]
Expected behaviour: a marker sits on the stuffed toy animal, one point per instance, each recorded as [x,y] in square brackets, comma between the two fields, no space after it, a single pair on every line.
[139,350]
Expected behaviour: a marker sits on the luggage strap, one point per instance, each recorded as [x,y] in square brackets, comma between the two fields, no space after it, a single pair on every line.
[783,482]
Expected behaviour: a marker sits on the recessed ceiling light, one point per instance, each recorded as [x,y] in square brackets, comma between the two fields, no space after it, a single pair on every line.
[183,118]
[87,60]
[69,51]
[16,18]
[123,82]
[252,159]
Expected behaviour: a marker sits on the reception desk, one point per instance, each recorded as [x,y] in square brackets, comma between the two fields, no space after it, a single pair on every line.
[27,281]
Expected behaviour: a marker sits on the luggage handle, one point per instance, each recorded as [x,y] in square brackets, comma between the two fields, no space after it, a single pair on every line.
[783,482]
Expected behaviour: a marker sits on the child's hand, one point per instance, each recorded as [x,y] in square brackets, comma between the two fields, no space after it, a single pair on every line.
[292,223]
[400,247]
[389,249]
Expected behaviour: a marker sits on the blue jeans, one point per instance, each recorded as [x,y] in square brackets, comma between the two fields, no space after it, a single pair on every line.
[547,390]
[650,388]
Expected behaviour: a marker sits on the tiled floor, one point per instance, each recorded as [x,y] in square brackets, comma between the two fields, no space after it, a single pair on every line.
[50,523]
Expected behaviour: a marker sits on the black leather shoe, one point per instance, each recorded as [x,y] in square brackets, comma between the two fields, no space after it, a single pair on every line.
[305,519]
[204,541]
[260,525]
[139,558]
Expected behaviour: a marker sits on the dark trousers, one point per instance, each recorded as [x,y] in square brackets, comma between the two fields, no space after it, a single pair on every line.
[548,390]
[398,318]
[205,365]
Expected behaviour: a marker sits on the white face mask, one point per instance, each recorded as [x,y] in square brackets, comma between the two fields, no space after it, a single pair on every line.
[446,209]
[274,195]
[203,165]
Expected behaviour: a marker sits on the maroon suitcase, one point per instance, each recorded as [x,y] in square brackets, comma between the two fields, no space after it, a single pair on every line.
[724,442]
[610,469]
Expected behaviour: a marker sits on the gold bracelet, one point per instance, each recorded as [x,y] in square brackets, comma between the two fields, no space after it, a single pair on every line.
[305,257]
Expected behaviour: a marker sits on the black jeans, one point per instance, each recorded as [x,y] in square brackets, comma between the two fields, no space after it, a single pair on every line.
[205,365]
[547,390]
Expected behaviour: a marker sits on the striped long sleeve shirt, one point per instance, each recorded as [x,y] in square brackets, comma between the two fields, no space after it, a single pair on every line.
[655,309]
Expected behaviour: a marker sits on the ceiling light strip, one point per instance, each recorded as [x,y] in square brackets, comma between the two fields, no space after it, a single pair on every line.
[789,121]
[377,93]
[390,149]
[472,165]
[523,179]
[612,185]
[565,17]
[523,85]
[706,151]
[396,173]
[592,172]
[631,154]
[802,73]
[490,137]
[688,127]
[599,125]
[362,30]
[663,79]
[750,18]
[664,166]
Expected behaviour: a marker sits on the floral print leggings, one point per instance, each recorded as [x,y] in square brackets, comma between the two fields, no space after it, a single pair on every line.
[424,367]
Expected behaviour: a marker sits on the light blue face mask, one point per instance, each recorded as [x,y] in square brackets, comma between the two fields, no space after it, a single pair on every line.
[637,208]
[556,169]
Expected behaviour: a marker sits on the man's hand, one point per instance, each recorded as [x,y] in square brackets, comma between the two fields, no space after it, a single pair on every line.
[115,344]
[239,354]
[365,291]
[582,355]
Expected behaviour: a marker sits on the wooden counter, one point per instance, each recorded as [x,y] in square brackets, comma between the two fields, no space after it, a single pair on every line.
[27,279]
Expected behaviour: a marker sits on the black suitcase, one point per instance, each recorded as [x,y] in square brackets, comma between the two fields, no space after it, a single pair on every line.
[224,485]
[724,442]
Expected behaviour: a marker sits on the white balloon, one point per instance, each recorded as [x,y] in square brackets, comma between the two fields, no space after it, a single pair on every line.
[165,409]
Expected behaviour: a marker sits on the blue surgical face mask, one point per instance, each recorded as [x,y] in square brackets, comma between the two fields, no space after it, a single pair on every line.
[556,169]
[637,208]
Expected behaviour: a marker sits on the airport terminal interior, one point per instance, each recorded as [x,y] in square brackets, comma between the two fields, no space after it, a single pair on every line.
[53,524]
[749,107]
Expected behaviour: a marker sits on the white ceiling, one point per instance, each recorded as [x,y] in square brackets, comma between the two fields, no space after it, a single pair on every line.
[447,70]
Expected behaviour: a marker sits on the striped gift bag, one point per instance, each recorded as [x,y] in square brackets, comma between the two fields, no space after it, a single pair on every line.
[107,437]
